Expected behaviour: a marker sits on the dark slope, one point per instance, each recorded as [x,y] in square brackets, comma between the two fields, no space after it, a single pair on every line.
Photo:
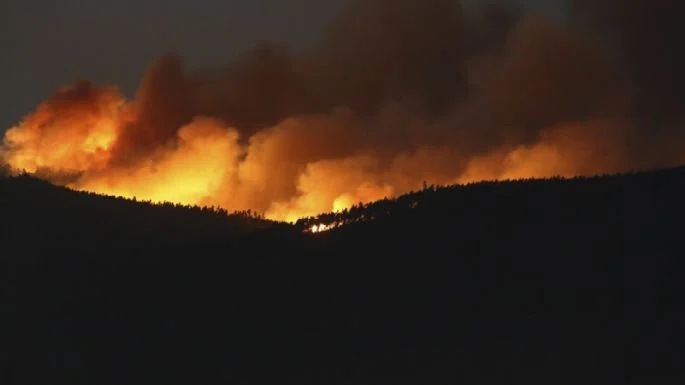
[537,282]
[36,216]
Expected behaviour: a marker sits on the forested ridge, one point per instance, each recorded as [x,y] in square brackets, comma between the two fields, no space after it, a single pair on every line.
[35,211]
[541,281]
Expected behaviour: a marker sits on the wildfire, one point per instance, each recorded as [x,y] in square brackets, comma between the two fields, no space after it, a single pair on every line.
[281,171]
[320,228]
[252,138]
[74,130]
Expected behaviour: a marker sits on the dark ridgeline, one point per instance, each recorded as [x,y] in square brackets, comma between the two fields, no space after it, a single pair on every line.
[39,217]
[538,282]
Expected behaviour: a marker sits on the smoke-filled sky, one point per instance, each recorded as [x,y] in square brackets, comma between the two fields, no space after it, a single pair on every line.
[46,43]
[362,100]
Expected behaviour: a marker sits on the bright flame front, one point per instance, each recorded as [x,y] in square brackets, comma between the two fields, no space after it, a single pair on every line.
[300,167]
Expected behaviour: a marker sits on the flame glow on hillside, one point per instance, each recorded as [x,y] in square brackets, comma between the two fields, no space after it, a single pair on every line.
[320,228]
[76,134]
[467,96]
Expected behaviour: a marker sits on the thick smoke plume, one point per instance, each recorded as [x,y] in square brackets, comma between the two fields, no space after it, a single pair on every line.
[396,93]
[646,37]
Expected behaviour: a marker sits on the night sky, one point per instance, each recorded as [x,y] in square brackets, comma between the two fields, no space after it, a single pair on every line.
[48,43]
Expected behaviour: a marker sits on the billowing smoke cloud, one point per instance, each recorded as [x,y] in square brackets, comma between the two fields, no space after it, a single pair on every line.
[398,92]
[162,105]
[646,39]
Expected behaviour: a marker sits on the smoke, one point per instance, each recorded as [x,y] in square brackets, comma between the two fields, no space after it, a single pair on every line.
[71,131]
[646,39]
[397,92]
[162,105]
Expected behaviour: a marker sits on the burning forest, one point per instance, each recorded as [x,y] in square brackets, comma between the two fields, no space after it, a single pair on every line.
[397,92]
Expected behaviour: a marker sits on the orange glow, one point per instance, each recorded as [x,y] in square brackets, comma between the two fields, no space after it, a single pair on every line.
[71,132]
[342,203]
[289,171]
[190,174]
[320,228]
[289,134]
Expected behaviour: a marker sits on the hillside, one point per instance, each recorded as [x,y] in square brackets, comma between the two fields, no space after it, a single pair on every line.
[36,213]
[543,281]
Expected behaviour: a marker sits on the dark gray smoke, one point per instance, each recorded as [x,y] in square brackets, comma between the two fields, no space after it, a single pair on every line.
[395,92]
[647,37]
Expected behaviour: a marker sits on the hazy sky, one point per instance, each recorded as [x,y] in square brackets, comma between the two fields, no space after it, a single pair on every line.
[47,43]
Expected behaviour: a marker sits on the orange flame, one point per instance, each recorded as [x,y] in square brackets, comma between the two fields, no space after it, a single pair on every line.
[293,135]
[320,228]
[74,130]
[78,129]
[300,167]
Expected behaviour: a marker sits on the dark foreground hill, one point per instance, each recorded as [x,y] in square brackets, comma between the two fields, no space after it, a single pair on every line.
[37,216]
[537,282]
